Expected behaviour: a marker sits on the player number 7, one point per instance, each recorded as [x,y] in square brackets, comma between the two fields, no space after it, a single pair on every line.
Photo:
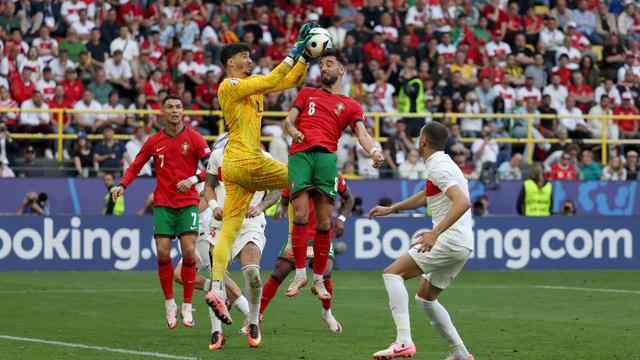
[195,218]
[161,160]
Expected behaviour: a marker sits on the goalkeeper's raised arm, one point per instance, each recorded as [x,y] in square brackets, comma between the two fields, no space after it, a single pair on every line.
[239,83]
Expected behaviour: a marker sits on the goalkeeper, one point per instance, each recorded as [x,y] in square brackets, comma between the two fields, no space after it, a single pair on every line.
[245,169]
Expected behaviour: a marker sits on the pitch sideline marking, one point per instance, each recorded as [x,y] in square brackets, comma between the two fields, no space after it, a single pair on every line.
[97,348]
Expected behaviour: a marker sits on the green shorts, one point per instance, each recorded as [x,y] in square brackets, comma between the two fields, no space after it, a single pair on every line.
[313,170]
[175,222]
[287,254]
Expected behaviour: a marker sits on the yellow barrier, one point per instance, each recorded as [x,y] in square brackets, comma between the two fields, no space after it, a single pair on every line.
[529,140]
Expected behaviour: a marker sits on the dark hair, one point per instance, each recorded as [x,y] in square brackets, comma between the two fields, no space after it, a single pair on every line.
[436,135]
[230,50]
[171,97]
[336,53]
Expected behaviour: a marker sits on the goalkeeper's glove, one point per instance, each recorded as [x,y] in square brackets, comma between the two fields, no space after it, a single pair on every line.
[301,41]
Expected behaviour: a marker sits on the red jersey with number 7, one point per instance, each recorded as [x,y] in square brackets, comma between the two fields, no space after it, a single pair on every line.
[323,117]
[175,158]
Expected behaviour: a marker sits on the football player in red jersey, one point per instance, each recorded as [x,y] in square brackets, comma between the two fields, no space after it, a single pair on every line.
[176,151]
[285,263]
[315,122]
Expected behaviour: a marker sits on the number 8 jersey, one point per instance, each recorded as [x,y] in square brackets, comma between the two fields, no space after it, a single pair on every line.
[323,117]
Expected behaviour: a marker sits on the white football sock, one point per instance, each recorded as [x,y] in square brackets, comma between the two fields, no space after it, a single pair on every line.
[216,324]
[170,303]
[217,287]
[207,285]
[186,307]
[399,304]
[242,305]
[253,291]
[326,312]
[441,322]
[317,277]
[301,272]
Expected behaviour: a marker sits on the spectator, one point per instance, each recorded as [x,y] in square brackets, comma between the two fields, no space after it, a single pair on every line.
[411,100]
[537,72]
[605,22]
[510,170]
[564,170]
[10,119]
[187,30]
[23,87]
[589,169]
[626,20]
[83,155]
[568,208]
[112,207]
[374,50]
[118,72]
[454,145]
[5,170]
[109,153]
[562,13]
[72,45]
[556,92]
[628,128]
[590,72]
[481,206]
[595,124]
[413,168]
[397,147]
[632,165]
[8,147]
[548,126]
[498,48]
[147,119]
[30,168]
[486,94]
[485,149]
[89,122]
[608,88]
[536,195]
[528,92]
[109,29]
[572,119]
[560,148]
[46,85]
[471,127]
[468,169]
[36,122]
[504,91]
[583,93]
[141,68]
[551,36]
[615,170]
[73,87]
[115,120]
[127,45]
[613,58]
[97,48]
[191,70]
[34,204]
[586,22]
[100,88]
[83,26]
[61,64]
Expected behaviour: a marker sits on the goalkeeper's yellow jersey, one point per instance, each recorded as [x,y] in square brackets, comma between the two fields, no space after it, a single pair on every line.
[242,105]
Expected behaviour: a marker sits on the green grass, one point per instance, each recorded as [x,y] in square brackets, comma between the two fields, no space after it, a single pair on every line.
[500,315]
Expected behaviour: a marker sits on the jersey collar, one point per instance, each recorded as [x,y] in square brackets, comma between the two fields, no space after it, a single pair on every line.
[184,127]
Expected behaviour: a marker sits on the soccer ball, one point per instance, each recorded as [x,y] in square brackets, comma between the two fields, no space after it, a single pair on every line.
[320,41]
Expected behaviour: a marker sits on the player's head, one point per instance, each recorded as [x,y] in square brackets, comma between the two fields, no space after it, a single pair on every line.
[172,109]
[433,137]
[237,58]
[332,66]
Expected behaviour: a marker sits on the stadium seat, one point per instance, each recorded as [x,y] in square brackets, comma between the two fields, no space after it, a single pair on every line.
[541,10]
[598,50]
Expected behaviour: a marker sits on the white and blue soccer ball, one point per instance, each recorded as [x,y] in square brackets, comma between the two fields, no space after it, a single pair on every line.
[320,41]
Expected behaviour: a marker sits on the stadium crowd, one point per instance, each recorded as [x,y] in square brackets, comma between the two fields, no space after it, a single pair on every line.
[419,56]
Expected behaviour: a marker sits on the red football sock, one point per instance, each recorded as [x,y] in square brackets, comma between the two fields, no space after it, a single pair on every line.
[299,241]
[165,273]
[321,247]
[268,292]
[326,304]
[188,274]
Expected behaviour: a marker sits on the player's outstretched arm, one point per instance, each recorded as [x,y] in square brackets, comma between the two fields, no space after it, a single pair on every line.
[347,205]
[368,144]
[271,198]
[416,201]
[241,88]
[290,127]
[460,205]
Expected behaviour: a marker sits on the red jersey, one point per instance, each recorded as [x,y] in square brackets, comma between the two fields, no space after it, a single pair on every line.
[558,172]
[311,222]
[323,117]
[207,93]
[626,125]
[175,158]
[73,90]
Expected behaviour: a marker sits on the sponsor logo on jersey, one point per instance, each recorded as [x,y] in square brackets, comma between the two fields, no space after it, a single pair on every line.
[185,148]
[233,81]
[339,108]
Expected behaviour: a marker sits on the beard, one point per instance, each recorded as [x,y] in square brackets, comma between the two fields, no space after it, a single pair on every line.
[330,80]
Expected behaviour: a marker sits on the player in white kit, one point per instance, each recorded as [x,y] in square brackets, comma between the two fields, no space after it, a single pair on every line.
[247,247]
[438,255]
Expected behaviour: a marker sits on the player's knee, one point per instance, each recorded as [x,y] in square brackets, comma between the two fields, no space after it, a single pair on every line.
[300,215]
[323,225]
[252,276]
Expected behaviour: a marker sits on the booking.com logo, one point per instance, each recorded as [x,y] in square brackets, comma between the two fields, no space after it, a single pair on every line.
[515,245]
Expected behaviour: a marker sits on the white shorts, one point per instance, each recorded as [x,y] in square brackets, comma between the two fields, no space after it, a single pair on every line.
[442,264]
[252,235]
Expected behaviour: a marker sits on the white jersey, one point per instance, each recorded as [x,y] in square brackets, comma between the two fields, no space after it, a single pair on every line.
[442,173]
[215,168]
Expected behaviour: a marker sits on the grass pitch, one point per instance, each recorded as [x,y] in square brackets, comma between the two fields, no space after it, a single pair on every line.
[537,315]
